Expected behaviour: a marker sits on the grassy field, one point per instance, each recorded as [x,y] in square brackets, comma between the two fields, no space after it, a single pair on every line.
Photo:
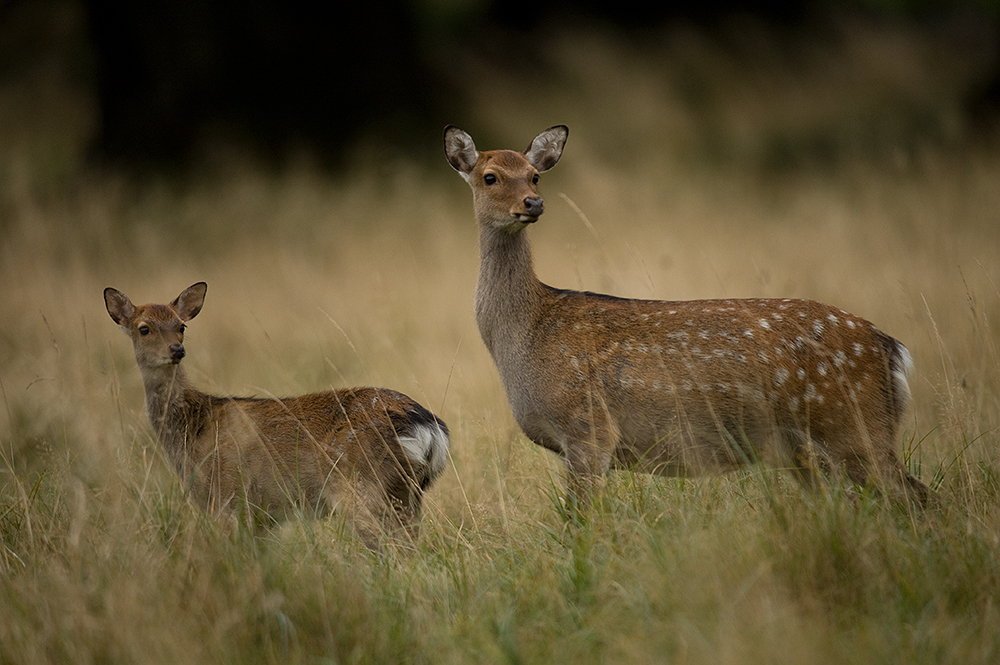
[367,278]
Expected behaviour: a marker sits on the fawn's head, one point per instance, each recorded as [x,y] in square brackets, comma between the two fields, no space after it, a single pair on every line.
[156,331]
[504,182]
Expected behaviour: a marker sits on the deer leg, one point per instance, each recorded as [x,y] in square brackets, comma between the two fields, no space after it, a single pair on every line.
[587,462]
[811,462]
[404,517]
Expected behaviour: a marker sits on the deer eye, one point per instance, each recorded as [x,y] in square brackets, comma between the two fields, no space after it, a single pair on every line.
[490,179]
[143,330]
[534,179]
[183,328]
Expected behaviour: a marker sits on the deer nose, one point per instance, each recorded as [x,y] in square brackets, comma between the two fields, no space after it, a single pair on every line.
[176,352]
[534,206]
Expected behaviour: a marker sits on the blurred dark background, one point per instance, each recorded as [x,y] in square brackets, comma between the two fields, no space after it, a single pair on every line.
[280,77]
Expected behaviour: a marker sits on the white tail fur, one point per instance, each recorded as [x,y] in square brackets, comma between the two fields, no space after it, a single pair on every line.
[427,445]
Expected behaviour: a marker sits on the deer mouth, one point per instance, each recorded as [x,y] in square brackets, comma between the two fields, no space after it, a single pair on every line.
[526,219]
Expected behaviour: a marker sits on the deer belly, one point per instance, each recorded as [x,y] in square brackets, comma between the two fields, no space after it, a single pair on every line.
[687,429]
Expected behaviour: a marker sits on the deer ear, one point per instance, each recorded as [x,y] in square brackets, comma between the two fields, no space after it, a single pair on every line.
[119,306]
[460,150]
[546,148]
[189,302]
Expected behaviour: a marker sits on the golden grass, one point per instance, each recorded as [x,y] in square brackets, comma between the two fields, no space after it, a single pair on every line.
[318,282]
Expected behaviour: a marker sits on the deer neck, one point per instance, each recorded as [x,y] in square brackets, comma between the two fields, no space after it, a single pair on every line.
[174,408]
[508,294]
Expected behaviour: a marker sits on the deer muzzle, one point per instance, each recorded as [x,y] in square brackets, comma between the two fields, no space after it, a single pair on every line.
[176,352]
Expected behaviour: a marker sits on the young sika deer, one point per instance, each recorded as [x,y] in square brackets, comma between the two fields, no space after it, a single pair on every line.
[673,387]
[370,452]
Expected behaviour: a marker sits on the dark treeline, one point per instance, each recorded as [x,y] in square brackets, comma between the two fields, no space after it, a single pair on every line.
[280,75]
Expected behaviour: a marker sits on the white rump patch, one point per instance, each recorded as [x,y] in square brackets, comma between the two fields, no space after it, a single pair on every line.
[901,371]
[428,446]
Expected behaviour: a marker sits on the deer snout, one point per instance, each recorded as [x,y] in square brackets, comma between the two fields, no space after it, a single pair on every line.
[176,352]
[534,206]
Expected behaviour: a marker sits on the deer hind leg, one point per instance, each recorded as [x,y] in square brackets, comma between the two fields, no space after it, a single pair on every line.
[811,463]
[352,500]
[893,479]
[866,456]
[366,516]
[402,519]
[387,513]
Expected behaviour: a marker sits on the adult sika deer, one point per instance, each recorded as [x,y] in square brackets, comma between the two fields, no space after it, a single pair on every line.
[674,387]
[369,452]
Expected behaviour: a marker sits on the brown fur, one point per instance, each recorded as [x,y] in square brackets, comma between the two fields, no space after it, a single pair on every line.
[673,387]
[265,458]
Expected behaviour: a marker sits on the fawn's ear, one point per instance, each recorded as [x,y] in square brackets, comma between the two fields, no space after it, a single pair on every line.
[119,306]
[189,302]
[546,148]
[460,151]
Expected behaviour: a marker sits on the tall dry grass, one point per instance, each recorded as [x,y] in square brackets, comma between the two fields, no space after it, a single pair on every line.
[318,282]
